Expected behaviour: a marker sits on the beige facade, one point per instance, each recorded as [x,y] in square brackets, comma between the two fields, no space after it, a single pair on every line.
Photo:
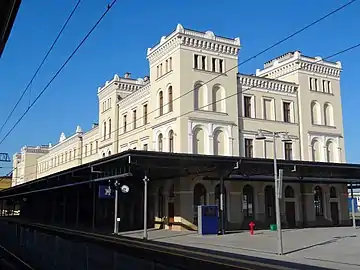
[195,101]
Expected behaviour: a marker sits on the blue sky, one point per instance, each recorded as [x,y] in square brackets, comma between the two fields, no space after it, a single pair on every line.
[119,45]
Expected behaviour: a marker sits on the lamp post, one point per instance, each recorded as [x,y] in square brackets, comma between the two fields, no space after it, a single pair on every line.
[285,138]
[124,189]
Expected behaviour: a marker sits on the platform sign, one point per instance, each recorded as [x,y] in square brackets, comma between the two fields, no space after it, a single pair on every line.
[208,218]
[106,192]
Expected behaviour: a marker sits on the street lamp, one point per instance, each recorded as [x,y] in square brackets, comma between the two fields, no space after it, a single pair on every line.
[285,138]
[124,189]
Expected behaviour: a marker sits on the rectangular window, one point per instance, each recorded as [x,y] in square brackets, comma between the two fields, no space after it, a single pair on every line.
[134,118]
[145,114]
[167,66]
[286,111]
[313,84]
[214,64]
[203,62]
[288,150]
[161,70]
[125,116]
[145,147]
[326,86]
[269,149]
[157,72]
[247,106]
[91,148]
[221,68]
[170,63]
[268,110]
[248,148]
[196,58]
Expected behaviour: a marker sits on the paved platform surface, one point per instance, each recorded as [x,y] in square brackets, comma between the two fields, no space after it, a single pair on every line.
[333,248]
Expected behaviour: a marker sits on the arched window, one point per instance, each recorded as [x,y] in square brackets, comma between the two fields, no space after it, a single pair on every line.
[103,155]
[315,113]
[160,142]
[219,143]
[289,192]
[248,201]
[199,141]
[200,96]
[109,128]
[328,114]
[333,193]
[109,153]
[330,151]
[315,148]
[160,203]
[218,95]
[104,130]
[161,103]
[171,141]
[170,96]
[318,202]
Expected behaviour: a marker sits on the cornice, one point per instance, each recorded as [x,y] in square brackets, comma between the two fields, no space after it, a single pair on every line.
[194,39]
[134,97]
[267,84]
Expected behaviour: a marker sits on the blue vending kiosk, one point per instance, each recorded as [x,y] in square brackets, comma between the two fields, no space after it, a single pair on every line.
[208,219]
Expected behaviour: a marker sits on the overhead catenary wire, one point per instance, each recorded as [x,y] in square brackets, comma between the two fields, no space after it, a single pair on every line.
[84,154]
[216,76]
[247,60]
[109,6]
[40,66]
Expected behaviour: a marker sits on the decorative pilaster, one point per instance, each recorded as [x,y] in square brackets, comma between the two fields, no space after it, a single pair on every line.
[211,145]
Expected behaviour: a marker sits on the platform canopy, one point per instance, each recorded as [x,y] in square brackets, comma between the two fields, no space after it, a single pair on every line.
[157,166]
[8,12]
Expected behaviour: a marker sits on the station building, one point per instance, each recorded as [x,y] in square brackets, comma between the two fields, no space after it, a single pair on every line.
[194,101]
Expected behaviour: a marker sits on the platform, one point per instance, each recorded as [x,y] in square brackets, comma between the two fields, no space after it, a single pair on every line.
[333,248]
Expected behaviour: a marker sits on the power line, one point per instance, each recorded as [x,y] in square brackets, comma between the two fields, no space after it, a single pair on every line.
[109,6]
[247,60]
[41,64]
[236,93]
[256,55]
[217,76]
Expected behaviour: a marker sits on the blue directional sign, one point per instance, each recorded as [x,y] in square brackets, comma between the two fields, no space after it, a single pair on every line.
[106,192]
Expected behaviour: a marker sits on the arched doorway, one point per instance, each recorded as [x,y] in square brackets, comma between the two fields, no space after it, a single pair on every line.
[290,207]
[318,202]
[218,201]
[334,207]
[199,199]
[270,204]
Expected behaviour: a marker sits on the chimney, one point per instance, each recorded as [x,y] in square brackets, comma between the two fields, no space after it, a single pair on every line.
[127,75]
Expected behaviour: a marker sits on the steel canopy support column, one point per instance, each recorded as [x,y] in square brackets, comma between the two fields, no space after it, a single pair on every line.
[352,206]
[77,206]
[222,212]
[116,223]
[145,232]
[93,205]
